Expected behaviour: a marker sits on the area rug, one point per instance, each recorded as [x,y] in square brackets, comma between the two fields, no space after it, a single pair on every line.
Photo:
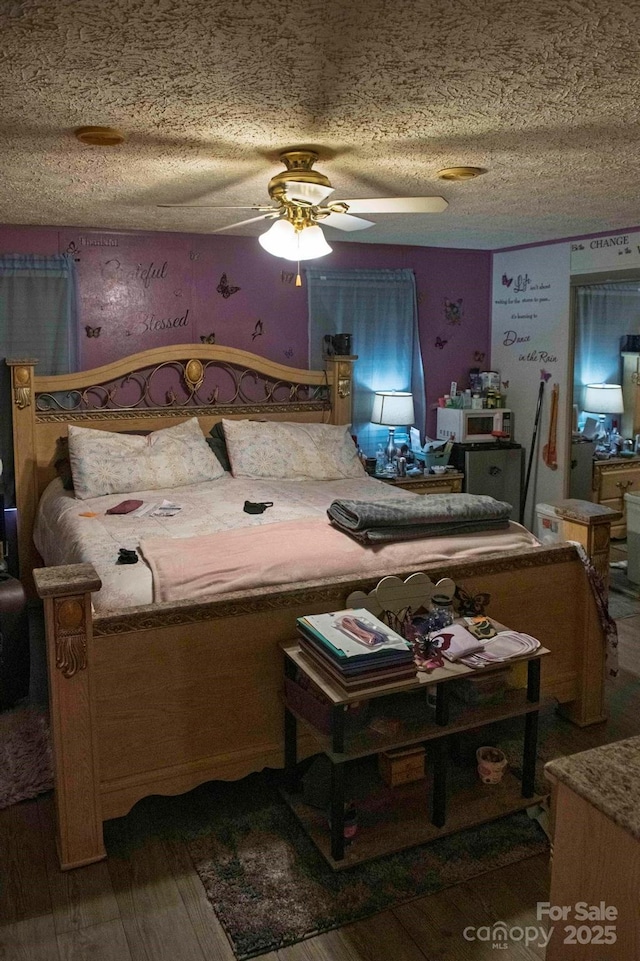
[266,881]
[25,755]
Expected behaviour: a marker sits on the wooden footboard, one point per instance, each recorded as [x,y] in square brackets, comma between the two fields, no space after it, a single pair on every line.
[161,699]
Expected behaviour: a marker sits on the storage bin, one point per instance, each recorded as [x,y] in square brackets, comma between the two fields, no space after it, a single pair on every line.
[482,689]
[438,458]
[549,527]
[313,706]
[402,766]
[632,502]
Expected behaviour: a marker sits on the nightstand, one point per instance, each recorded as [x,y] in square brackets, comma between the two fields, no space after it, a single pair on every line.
[612,479]
[448,483]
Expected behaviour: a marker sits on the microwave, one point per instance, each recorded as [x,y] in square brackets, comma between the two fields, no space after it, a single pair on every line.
[468,426]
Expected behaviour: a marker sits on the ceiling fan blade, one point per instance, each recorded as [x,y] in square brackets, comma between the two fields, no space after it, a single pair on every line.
[346,222]
[264,207]
[306,193]
[251,220]
[398,205]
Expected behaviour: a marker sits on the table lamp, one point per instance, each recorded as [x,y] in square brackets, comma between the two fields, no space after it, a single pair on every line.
[393,408]
[603,399]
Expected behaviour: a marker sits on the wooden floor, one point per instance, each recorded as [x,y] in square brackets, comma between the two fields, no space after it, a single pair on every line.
[153,908]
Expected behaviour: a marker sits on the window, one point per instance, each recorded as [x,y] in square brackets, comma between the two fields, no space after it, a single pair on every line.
[37,320]
[378,308]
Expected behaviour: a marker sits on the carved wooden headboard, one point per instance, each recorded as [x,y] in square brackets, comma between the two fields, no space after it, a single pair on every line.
[154,389]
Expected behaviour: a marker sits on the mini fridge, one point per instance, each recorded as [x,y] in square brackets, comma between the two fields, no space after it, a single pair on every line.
[493,469]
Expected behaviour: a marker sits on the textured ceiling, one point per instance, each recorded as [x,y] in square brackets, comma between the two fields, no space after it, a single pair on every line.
[543,94]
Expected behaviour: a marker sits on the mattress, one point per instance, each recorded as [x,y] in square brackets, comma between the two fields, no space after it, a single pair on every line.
[70,531]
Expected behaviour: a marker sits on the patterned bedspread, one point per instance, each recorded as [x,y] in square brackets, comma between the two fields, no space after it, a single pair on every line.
[64,534]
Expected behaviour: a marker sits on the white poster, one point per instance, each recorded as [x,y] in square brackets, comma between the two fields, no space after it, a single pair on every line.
[530,349]
[615,252]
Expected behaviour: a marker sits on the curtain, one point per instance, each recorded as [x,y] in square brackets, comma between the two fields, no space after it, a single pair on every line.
[379,309]
[604,314]
[37,320]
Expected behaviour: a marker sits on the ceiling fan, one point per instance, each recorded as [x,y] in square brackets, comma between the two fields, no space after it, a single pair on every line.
[299,196]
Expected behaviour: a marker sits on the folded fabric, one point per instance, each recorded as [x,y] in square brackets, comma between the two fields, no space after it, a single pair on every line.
[429,516]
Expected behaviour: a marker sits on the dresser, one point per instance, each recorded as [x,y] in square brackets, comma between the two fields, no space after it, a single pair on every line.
[611,480]
[448,483]
[595,865]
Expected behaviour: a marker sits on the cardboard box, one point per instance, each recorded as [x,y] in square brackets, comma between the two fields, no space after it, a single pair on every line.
[402,766]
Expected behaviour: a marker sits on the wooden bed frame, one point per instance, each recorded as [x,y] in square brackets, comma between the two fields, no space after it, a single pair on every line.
[158,699]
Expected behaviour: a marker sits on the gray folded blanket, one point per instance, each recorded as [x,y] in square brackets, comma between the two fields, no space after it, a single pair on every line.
[420,516]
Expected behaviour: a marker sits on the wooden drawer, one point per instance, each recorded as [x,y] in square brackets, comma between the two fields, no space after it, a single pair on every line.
[439,485]
[615,483]
[612,479]
[449,483]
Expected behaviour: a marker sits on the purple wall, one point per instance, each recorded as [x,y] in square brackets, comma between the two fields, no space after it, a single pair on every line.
[140,290]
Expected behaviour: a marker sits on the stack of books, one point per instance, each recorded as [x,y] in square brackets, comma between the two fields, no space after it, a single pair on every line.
[355,649]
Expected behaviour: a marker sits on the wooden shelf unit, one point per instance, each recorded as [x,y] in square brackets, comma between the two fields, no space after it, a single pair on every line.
[423,811]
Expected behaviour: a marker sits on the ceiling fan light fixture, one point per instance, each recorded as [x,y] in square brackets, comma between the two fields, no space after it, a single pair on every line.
[460,173]
[283,240]
[311,244]
[279,238]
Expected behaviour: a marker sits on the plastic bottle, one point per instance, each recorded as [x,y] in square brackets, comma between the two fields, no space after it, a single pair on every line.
[615,439]
[381,460]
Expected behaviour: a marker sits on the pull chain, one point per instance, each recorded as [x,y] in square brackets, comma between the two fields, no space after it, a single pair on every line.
[298,277]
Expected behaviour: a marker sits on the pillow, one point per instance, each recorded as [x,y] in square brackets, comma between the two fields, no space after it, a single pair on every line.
[62,463]
[295,451]
[106,463]
[218,445]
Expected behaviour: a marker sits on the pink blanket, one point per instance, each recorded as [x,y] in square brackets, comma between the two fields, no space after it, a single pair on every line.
[283,554]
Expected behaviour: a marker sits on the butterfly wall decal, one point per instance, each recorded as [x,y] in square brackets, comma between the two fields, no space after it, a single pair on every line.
[440,343]
[470,604]
[478,356]
[207,338]
[545,375]
[257,330]
[506,281]
[505,384]
[225,288]
[92,331]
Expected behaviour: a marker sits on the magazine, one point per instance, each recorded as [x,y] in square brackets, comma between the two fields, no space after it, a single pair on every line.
[353,633]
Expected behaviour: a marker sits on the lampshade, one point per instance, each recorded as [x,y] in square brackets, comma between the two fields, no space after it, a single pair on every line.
[283,240]
[603,399]
[279,238]
[393,408]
